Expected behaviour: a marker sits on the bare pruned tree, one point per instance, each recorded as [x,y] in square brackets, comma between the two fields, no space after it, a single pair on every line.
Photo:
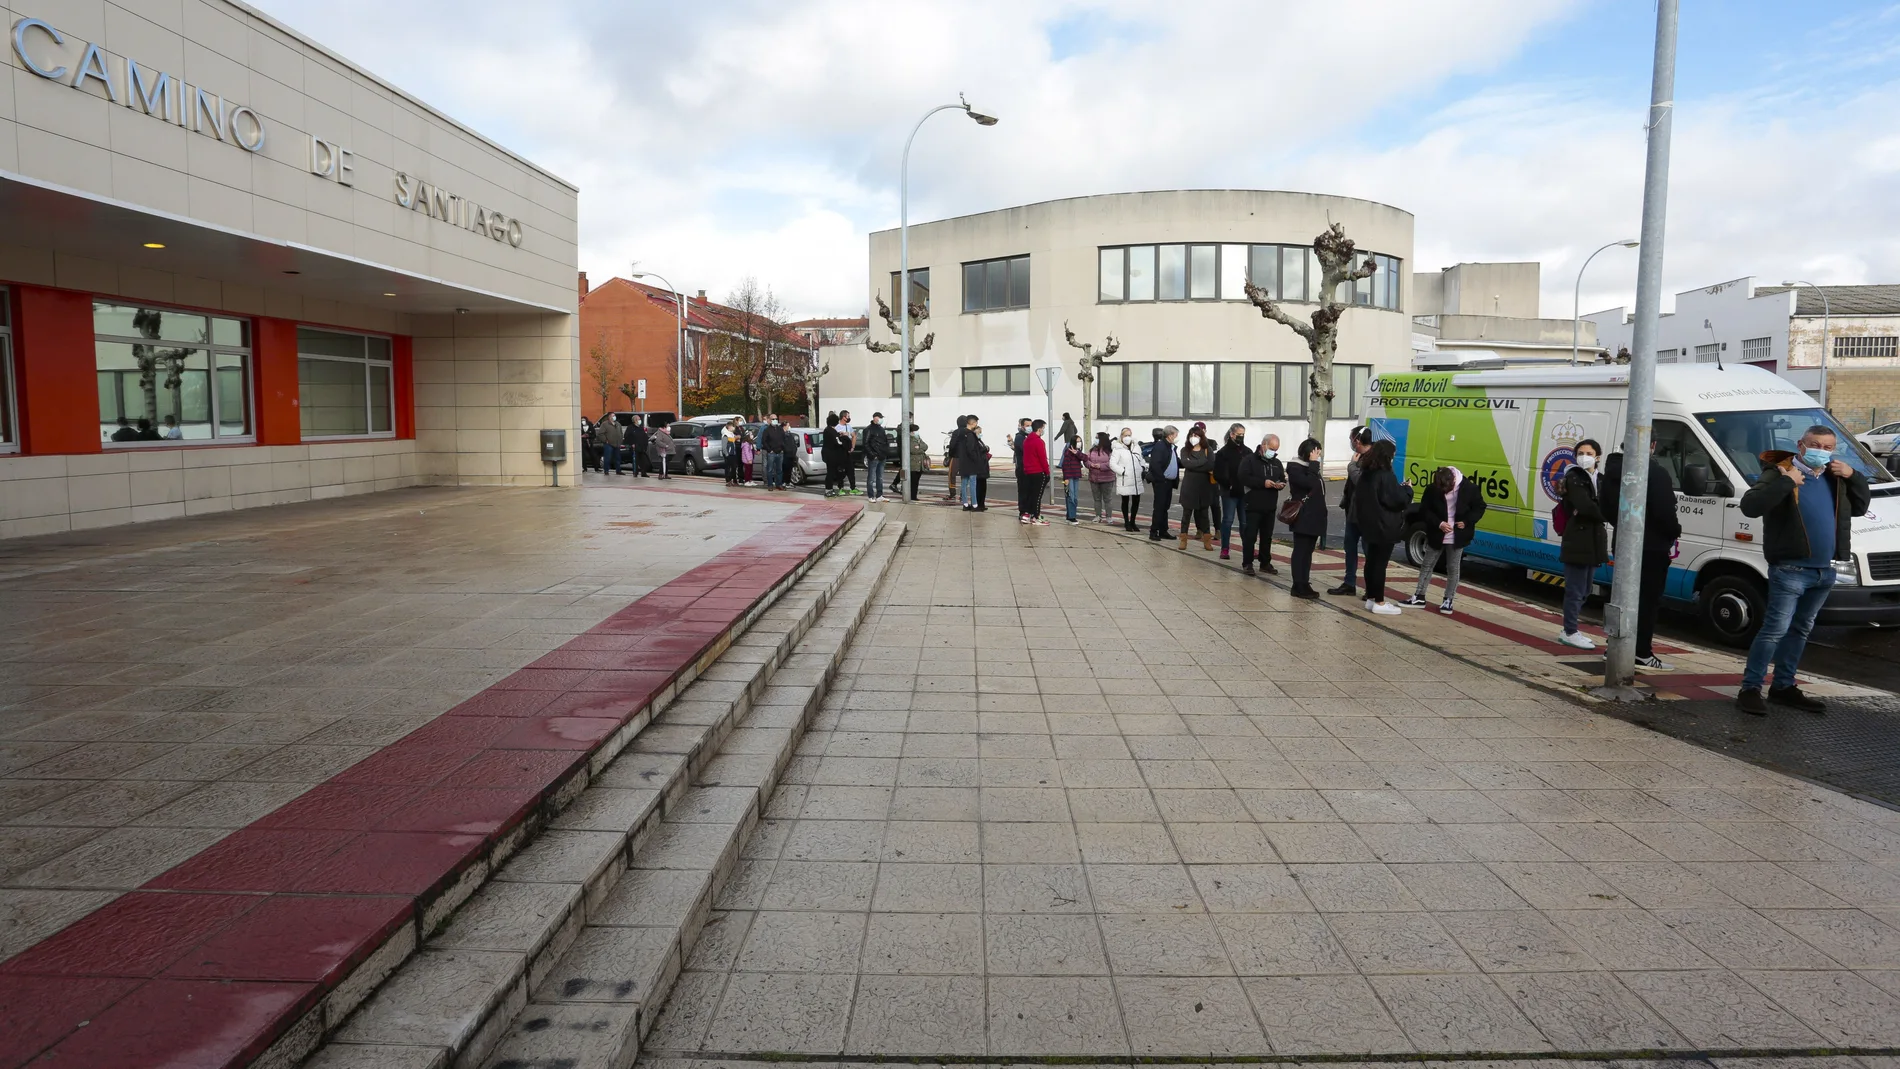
[602,368]
[1336,254]
[1091,360]
[749,352]
[918,313]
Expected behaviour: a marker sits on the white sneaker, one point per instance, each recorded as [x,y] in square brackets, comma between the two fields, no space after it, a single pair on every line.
[1383,608]
[1653,663]
[1576,640]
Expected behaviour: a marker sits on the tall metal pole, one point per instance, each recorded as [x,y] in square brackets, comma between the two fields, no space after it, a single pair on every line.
[1626,593]
[1576,298]
[1825,314]
[902,297]
[679,341]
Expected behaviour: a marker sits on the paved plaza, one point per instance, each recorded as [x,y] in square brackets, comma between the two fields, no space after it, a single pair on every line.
[164,684]
[1072,795]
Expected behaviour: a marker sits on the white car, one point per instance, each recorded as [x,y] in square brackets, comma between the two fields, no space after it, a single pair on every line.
[1881,438]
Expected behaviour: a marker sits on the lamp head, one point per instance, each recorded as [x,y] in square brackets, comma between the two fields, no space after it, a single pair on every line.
[981,119]
[1791,283]
[1630,244]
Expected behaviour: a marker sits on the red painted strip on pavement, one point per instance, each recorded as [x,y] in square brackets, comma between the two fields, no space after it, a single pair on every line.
[211,962]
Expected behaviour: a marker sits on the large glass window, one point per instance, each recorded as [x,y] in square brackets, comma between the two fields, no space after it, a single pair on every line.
[1233,272]
[1293,273]
[1227,390]
[344,384]
[9,414]
[1264,268]
[1171,276]
[1201,272]
[1141,273]
[919,287]
[919,383]
[1745,436]
[1114,280]
[170,376]
[993,285]
[992,381]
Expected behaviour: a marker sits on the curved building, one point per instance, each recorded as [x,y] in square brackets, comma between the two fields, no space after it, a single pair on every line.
[1161,272]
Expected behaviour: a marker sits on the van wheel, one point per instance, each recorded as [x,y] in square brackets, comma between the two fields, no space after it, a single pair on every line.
[1731,607]
[1416,541]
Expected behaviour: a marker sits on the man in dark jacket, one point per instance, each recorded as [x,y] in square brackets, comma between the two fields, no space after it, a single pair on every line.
[1360,439]
[1227,463]
[611,435]
[1261,477]
[636,442]
[1164,470]
[877,450]
[1807,502]
[1661,528]
[774,443]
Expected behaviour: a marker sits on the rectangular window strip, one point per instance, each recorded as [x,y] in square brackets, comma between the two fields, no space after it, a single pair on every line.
[167,375]
[9,411]
[345,384]
[996,285]
[919,289]
[919,383]
[1214,272]
[1867,346]
[1757,350]
[1708,354]
[1228,390]
[995,381]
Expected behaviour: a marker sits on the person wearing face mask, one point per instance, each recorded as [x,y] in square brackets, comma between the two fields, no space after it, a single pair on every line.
[772,445]
[1452,506]
[919,460]
[1164,468]
[1124,459]
[1101,476]
[1198,492]
[1262,477]
[1661,527]
[1232,495]
[1807,501]
[1586,543]
[1306,482]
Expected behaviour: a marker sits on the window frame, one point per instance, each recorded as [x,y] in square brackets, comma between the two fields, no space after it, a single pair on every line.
[366,363]
[919,384]
[986,371]
[212,350]
[1289,401]
[1384,290]
[1007,265]
[9,396]
[1756,350]
[1864,347]
[915,272]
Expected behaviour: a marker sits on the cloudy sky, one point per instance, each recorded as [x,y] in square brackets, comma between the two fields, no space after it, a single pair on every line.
[760,137]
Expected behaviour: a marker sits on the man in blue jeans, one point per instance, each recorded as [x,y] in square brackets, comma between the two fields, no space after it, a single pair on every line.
[1807,501]
[1361,440]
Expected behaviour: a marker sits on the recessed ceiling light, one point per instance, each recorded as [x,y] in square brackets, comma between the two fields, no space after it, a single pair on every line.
[154,244]
[293,272]
[389,295]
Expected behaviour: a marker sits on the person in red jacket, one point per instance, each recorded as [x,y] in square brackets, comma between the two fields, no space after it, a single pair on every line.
[1035,475]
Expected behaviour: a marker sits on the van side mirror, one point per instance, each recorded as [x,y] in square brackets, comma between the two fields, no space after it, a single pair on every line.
[1695,480]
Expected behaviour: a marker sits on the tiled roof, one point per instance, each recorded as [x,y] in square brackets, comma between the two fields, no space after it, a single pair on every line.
[701,313]
[1881,300]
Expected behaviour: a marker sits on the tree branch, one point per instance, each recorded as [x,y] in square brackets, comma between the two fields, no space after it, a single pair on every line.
[1270,309]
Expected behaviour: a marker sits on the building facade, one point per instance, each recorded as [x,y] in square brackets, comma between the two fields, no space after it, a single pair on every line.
[1494,307]
[236,270]
[1160,272]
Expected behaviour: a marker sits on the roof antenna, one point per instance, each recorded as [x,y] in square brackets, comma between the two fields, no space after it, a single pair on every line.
[1710,327]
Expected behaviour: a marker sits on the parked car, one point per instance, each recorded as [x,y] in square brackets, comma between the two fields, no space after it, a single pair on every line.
[698,446]
[1881,439]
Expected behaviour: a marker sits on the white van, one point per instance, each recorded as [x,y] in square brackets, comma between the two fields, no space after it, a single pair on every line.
[1513,432]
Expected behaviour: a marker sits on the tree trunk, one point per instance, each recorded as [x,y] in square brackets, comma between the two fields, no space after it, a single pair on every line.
[1320,386]
[1088,405]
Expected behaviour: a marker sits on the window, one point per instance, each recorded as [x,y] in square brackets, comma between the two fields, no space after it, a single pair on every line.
[1293,273]
[1141,273]
[981,381]
[1226,390]
[1220,272]
[919,287]
[344,384]
[1665,356]
[9,417]
[1264,268]
[919,382]
[1679,450]
[170,376]
[1171,277]
[1757,350]
[1114,276]
[1708,354]
[993,285]
[1233,272]
[1867,345]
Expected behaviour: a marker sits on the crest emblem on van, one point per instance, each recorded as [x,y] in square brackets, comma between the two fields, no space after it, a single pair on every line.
[1550,471]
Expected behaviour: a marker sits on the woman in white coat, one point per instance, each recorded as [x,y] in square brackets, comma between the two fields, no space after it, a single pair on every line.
[1126,461]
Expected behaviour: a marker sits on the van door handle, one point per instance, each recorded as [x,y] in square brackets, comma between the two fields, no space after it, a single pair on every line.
[1730,505]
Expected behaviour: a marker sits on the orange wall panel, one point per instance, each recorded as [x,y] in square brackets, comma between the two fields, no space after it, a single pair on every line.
[59,388]
[274,357]
[403,350]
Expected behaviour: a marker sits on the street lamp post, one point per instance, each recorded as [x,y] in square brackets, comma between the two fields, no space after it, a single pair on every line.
[679,342]
[1825,311]
[903,266]
[1576,300]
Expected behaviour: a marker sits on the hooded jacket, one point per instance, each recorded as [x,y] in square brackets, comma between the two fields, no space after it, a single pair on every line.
[1777,501]
[1378,506]
[1468,509]
[1125,461]
[877,442]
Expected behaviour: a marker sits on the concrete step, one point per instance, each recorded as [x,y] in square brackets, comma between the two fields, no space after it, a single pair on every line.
[584,928]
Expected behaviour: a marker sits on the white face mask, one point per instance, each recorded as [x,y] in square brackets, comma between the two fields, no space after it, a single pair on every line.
[1127,438]
[1317,458]
[1587,461]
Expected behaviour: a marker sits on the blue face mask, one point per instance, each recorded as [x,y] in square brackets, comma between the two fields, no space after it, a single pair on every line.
[1817,458]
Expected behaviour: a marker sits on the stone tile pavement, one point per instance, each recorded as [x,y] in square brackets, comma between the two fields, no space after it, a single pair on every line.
[163,684]
[1074,796]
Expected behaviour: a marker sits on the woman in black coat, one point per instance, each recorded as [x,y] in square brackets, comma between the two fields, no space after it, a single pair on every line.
[1451,509]
[1306,485]
[973,459]
[1198,491]
[1586,542]
[1378,507]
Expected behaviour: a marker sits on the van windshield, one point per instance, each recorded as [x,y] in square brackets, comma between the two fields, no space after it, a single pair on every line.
[1744,436]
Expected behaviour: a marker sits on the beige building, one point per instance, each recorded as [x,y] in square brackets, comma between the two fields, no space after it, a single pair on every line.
[1160,272]
[236,270]
[1494,307]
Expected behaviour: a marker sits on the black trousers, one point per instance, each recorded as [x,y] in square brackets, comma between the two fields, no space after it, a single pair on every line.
[1164,500]
[982,491]
[1655,576]
[834,475]
[915,478]
[1378,555]
[1303,546]
[1029,494]
[1131,504]
[1256,527]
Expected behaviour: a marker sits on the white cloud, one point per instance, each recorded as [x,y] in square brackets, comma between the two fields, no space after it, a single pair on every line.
[761,137]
